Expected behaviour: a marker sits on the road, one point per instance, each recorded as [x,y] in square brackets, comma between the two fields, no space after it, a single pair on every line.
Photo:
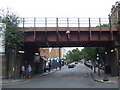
[78,77]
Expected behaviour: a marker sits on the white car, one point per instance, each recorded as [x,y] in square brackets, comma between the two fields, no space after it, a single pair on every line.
[71,65]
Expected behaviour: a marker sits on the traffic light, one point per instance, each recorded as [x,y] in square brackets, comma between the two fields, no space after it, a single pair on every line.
[97,56]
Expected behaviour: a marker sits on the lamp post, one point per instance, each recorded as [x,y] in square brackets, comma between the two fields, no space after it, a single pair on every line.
[117,57]
[105,61]
[105,77]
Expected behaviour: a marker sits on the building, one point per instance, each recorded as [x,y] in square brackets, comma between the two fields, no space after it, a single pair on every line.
[56,53]
[63,53]
[44,52]
[2,49]
[51,52]
[2,52]
[115,14]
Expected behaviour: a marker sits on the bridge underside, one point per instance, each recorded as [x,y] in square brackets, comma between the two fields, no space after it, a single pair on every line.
[76,39]
[71,44]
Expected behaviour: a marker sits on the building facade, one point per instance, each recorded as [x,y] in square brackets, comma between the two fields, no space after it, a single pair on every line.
[56,53]
[44,52]
[115,14]
[51,52]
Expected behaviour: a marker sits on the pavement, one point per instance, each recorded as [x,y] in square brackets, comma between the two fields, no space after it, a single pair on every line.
[100,78]
[17,81]
[94,76]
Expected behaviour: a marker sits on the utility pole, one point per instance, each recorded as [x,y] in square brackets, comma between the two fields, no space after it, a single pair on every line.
[105,77]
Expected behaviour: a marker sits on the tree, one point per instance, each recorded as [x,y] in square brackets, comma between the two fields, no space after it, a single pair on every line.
[90,52]
[103,25]
[74,55]
[12,37]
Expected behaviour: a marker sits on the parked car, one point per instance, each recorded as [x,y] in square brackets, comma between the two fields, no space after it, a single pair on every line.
[71,65]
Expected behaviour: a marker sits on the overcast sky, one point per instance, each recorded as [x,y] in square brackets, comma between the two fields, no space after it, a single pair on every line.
[59,8]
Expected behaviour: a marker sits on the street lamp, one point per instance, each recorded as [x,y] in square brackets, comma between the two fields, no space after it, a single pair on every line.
[106,57]
[112,50]
[117,57]
[105,77]
[36,53]
[105,53]
[21,52]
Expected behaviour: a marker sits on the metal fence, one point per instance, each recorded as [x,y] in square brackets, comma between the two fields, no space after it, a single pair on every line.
[63,22]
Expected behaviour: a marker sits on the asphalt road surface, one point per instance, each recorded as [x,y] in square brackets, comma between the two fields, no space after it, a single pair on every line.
[78,77]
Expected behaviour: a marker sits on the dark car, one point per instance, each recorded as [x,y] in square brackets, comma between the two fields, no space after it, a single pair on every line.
[71,65]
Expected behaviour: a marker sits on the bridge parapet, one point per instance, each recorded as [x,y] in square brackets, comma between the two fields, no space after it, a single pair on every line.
[70,28]
[80,29]
[64,22]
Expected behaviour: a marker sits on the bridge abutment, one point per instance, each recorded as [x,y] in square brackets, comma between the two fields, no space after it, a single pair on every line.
[112,61]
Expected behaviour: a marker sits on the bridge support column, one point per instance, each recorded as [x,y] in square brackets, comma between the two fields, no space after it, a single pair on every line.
[119,61]
[41,63]
[29,59]
[113,61]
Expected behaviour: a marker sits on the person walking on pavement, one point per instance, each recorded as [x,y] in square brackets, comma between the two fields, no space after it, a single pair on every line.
[49,66]
[22,71]
[60,64]
[29,70]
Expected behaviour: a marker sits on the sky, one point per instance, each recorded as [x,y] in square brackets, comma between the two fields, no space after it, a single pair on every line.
[59,8]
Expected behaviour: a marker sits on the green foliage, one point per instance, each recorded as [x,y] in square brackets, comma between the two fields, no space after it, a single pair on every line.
[104,25]
[74,55]
[12,39]
[90,52]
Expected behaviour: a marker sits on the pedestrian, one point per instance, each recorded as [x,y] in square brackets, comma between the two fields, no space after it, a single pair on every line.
[22,71]
[49,66]
[29,70]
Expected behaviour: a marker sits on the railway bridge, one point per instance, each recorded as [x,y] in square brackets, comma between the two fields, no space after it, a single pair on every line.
[66,32]
[71,32]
